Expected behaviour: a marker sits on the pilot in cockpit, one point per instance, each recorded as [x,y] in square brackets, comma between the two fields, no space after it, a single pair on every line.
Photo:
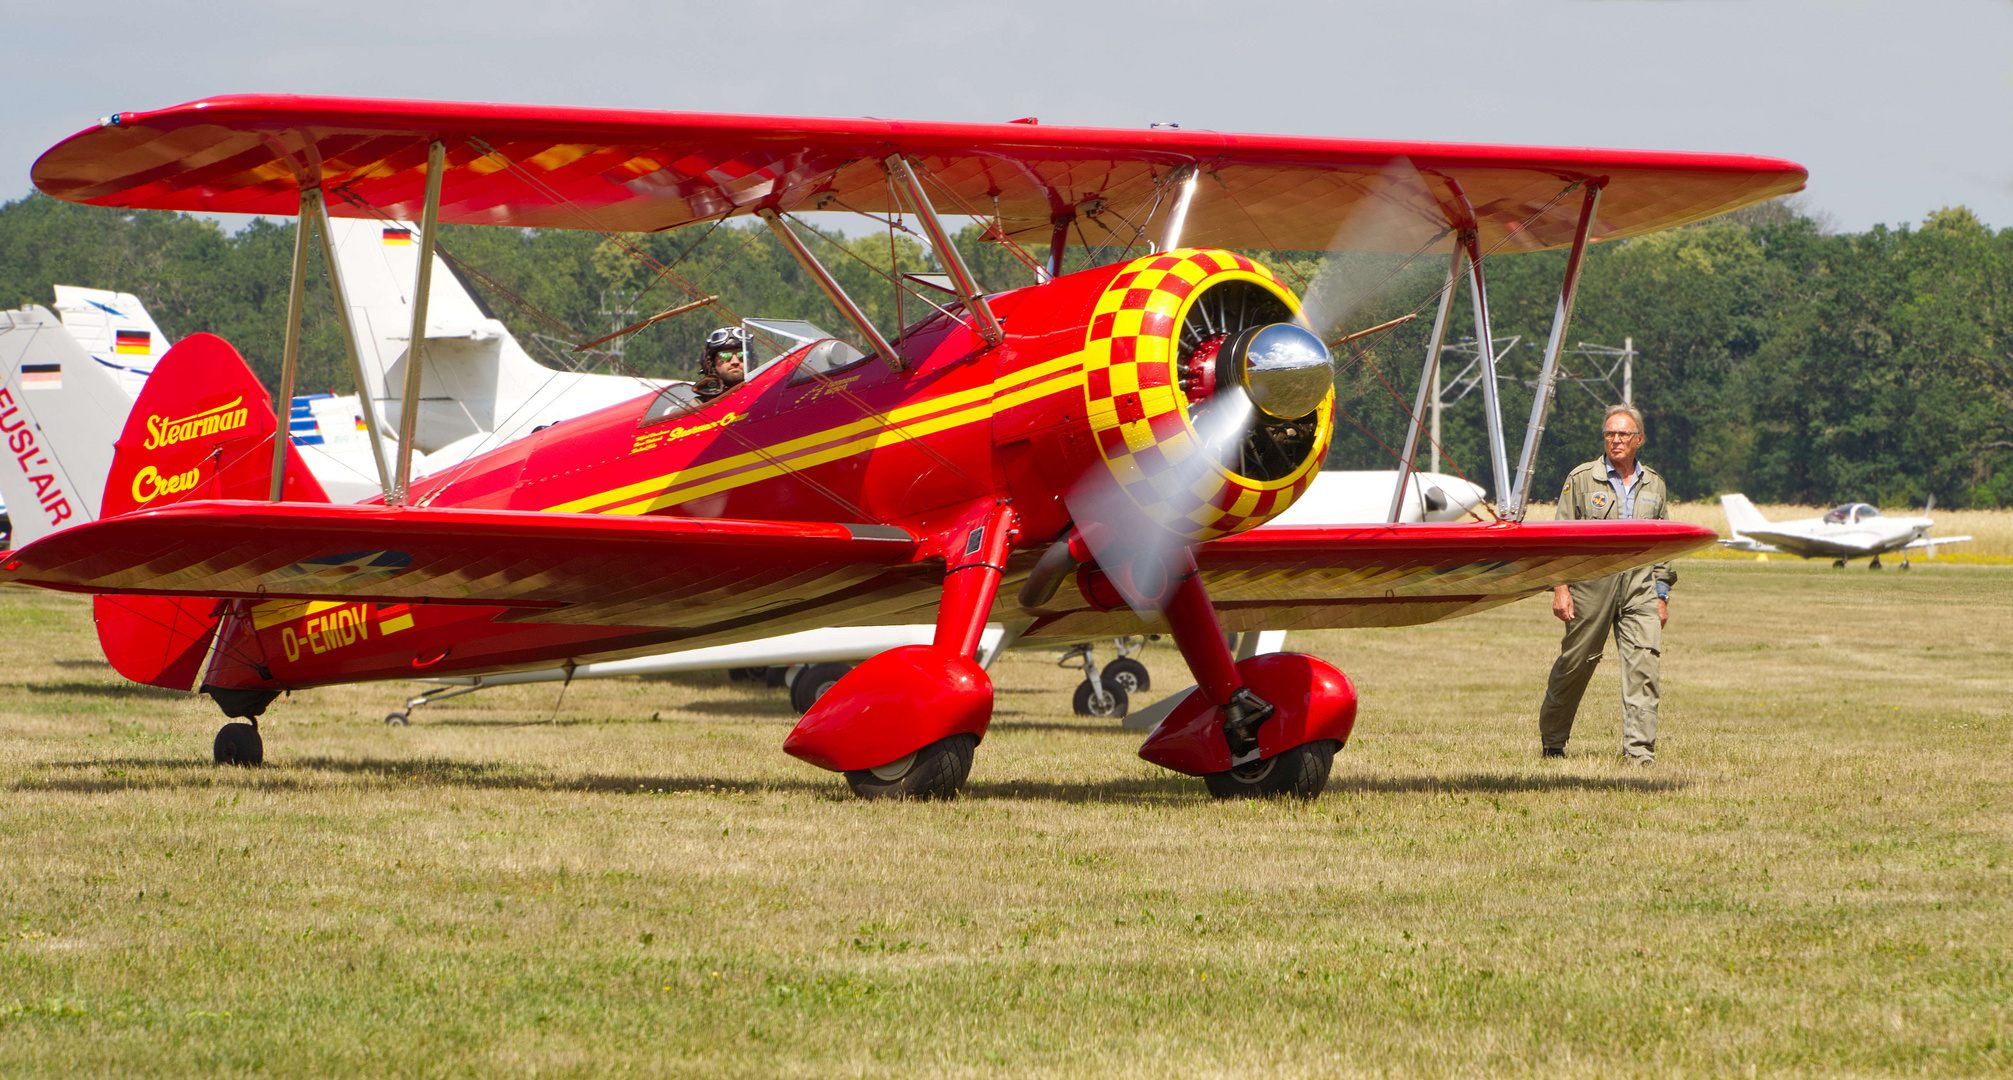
[724,364]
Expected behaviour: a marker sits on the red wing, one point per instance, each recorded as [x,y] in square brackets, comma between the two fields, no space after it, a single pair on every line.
[630,170]
[561,568]
[1393,575]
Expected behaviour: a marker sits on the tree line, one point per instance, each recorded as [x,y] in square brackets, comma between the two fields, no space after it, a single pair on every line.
[1775,357]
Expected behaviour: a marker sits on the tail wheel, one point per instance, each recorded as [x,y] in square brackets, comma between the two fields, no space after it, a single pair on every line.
[812,682]
[1112,705]
[1129,673]
[936,771]
[239,744]
[1300,772]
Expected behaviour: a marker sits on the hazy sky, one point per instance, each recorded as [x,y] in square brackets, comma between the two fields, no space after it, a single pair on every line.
[1896,108]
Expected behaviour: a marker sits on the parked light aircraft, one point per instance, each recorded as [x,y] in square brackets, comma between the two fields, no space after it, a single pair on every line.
[1092,452]
[1847,531]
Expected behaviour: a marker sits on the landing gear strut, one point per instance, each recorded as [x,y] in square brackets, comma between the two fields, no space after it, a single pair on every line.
[439,693]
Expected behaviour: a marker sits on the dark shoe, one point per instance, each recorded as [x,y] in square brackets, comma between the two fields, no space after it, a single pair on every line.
[1553,751]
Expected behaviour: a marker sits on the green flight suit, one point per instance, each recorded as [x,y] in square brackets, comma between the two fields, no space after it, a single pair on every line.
[1624,605]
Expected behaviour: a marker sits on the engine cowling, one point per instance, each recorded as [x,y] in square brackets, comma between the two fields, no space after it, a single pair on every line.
[1169,336]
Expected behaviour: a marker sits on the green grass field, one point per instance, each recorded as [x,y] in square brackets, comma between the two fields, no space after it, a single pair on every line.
[1812,881]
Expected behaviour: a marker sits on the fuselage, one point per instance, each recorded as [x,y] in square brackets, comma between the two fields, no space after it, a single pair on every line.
[1083,380]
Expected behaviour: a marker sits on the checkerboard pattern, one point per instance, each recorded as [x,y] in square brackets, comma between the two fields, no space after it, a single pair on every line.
[1138,413]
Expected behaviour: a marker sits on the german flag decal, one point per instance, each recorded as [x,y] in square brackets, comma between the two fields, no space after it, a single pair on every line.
[396,237]
[391,618]
[132,342]
[42,376]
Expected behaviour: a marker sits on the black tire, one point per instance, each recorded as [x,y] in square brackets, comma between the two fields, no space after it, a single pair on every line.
[1129,673]
[397,719]
[936,771]
[239,744]
[812,682]
[747,674]
[776,678]
[1300,772]
[1116,705]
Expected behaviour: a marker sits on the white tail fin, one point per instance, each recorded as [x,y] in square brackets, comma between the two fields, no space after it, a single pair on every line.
[478,380]
[1741,515]
[115,329]
[60,410]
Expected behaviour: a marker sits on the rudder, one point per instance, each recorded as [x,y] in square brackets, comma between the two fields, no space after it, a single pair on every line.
[1741,516]
[202,429]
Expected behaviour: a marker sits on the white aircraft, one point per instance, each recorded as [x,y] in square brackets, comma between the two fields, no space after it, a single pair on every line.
[1849,531]
[67,380]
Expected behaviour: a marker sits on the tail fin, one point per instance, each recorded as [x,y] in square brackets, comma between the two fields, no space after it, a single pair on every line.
[202,429]
[1741,515]
[60,410]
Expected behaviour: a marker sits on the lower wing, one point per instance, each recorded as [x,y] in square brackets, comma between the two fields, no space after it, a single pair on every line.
[1389,575]
[567,568]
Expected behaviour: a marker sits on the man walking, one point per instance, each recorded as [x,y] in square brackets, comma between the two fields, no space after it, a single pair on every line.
[1632,605]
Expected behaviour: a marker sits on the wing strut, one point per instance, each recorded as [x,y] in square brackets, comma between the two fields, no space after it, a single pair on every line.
[366,397]
[1519,498]
[1171,239]
[415,346]
[1478,290]
[832,289]
[1429,383]
[903,180]
[290,356]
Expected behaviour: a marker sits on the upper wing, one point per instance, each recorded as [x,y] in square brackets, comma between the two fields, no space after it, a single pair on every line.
[629,170]
[573,568]
[1392,575]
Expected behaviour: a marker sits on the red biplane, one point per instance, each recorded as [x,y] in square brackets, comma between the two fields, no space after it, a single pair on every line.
[1078,455]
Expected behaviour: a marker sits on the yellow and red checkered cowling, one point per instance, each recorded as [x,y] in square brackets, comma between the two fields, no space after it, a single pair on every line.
[1139,415]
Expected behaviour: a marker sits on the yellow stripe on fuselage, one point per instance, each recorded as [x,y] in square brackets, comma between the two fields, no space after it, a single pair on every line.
[860,436]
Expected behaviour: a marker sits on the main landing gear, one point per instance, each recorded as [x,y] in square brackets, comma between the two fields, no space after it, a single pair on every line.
[904,724]
[1268,725]
[936,771]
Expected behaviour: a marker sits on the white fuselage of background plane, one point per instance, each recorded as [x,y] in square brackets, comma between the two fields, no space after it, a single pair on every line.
[1850,531]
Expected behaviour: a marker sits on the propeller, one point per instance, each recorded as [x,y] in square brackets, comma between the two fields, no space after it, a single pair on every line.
[1354,273]
[1253,394]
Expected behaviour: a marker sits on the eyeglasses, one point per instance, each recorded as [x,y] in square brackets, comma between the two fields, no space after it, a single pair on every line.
[1620,434]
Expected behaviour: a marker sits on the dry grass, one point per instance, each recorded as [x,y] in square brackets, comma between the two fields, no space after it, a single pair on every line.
[1991,531]
[1812,881]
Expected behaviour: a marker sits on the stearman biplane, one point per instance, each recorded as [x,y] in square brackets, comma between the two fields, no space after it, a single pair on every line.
[1088,454]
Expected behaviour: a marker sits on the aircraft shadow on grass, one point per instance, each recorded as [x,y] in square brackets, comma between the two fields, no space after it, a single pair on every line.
[102,690]
[1500,784]
[421,772]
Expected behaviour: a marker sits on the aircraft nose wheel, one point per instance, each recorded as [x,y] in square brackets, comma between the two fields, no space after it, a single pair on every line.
[1108,701]
[1301,772]
[936,771]
[239,744]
